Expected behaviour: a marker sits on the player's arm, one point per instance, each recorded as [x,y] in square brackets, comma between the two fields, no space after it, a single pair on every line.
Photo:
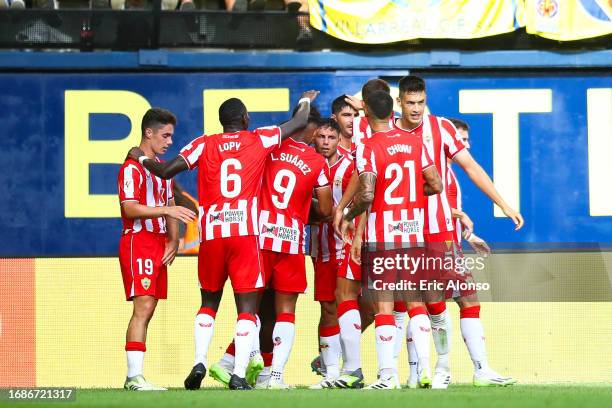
[325,202]
[364,196]
[133,209]
[300,119]
[357,239]
[165,170]
[482,180]
[347,197]
[433,183]
[180,199]
[466,221]
[172,243]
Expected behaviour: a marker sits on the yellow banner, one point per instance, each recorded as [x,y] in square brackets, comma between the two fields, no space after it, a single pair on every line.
[567,20]
[64,322]
[387,21]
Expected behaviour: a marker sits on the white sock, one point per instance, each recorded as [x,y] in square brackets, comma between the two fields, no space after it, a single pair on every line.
[227,361]
[331,349]
[204,328]
[243,341]
[135,362]
[441,333]
[350,334]
[255,349]
[400,324]
[420,328]
[386,334]
[473,335]
[413,359]
[283,335]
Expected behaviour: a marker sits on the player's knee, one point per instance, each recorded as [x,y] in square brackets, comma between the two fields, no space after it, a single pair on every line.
[328,314]
[144,311]
[465,302]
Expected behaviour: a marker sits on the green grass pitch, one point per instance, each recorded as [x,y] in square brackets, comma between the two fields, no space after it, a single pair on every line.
[458,396]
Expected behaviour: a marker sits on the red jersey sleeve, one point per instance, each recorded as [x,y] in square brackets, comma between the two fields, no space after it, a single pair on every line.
[270,137]
[129,183]
[365,160]
[323,179]
[426,161]
[451,139]
[192,152]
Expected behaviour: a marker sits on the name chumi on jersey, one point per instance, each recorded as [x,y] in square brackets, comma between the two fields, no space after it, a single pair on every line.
[399,148]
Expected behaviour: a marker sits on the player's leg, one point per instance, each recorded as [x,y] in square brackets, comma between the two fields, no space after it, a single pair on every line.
[283,337]
[145,281]
[472,332]
[204,327]
[400,313]
[288,281]
[419,328]
[440,247]
[135,342]
[245,333]
[385,333]
[348,288]
[212,276]
[329,343]
[349,320]
[325,275]
[267,314]
[245,269]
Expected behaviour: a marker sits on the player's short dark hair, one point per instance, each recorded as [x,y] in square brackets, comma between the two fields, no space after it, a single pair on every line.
[411,83]
[313,117]
[380,104]
[155,117]
[231,111]
[329,123]
[340,103]
[459,124]
[374,85]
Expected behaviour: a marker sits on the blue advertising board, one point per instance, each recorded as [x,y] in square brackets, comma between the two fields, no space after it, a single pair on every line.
[546,139]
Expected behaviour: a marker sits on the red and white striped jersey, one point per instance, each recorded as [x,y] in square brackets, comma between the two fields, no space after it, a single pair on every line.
[442,142]
[398,160]
[453,193]
[135,183]
[326,245]
[230,171]
[362,131]
[291,174]
[344,151]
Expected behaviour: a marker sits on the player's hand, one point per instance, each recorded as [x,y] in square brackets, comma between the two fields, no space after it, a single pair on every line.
[338,214]
[312,95]
[515,216]
[479,245]
[170,252]
[356,250]
[468,225]
[180,213]
[135,153]
[347,230]
[356,103]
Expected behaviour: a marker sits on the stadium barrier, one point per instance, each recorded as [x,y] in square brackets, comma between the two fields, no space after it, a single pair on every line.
[63,321]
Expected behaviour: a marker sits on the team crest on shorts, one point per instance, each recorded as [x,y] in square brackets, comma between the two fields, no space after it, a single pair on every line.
[146,283]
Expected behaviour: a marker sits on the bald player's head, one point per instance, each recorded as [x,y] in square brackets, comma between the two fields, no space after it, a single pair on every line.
[233,113]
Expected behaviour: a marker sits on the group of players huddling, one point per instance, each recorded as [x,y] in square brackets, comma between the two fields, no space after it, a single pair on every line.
[370,178]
